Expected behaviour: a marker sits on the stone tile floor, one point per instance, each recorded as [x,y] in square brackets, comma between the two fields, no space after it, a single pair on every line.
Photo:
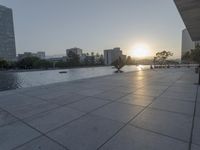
[144,110]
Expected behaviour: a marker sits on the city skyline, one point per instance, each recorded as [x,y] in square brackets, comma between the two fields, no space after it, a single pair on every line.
[96,26]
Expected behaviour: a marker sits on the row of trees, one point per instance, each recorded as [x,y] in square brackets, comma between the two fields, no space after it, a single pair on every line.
[26,63]
[161,57]
[32,62]
[74,61]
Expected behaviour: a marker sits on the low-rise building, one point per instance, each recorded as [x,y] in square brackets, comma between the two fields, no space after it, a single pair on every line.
[40,55]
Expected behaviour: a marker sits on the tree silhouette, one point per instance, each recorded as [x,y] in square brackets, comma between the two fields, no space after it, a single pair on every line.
[161,57]
[118,64]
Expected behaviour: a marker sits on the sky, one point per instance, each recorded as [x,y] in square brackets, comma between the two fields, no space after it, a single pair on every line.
[94,25]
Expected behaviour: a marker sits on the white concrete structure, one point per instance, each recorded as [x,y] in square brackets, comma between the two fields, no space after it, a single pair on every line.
[111,55]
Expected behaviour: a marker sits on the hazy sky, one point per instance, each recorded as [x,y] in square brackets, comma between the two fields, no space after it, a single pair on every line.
[94,25]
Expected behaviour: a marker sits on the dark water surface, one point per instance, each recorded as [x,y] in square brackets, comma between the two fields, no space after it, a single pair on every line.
[14,80]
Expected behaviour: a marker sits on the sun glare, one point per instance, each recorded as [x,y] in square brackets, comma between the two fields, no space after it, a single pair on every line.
[140,51]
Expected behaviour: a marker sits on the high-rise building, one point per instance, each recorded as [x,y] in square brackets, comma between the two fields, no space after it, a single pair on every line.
[187,43]
[7,37]
[111,55]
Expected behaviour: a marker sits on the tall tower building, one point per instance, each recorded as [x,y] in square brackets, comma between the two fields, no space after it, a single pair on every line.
[7,36]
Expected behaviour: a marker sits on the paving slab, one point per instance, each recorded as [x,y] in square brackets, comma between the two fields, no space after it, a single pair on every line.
[87,133]
[196,131]
[14,101]
[137,99]
[6,118]
[119,111]
[32,109]
[59,110]
[41,143]
[167,123]
[90,92]
[131,138]
[179,95]
[174,105]
[53,119]
[16,134]
[111,95]
[190,90]
[195,147]
[88,104]
[66,99]
[52,95]
[197,111]
[149,92]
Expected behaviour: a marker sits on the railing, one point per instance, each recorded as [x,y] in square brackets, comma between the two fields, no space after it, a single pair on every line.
[175,66]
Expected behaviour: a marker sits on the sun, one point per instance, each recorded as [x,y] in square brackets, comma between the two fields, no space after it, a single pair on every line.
[140,50]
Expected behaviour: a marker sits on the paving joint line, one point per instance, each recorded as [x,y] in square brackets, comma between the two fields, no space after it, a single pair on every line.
[193,121]
[126,124]
[42,134]
[158,133]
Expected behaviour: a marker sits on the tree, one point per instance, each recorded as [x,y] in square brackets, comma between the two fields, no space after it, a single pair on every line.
[129,61]
[42,64]
[34,63]
[195,54]
[186,57]
[118,64]
[61,64]
[27,62]
[101,60]
[3,64]
[92,59]
[74,59]
[161,57]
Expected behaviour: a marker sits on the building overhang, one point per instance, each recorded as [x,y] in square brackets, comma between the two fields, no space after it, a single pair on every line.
[190,13]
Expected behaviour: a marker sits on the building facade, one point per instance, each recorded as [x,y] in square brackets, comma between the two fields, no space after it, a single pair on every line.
[7,37]
[187,43]
[40,55]
[75,50]
[111,55]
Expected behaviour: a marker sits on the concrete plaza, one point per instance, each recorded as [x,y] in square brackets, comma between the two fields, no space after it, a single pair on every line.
[144,110]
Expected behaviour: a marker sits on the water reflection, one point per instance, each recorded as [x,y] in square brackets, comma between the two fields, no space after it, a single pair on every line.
[14,80]
[9,81]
